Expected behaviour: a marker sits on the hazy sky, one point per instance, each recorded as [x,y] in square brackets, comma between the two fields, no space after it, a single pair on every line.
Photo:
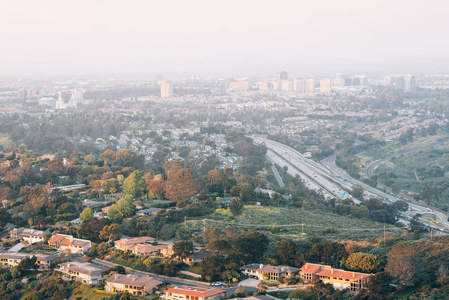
[84,36]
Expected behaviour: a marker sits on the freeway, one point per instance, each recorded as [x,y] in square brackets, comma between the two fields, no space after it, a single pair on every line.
[333,179]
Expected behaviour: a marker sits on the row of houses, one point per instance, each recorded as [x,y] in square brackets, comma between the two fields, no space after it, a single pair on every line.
[13,259]
[340,279]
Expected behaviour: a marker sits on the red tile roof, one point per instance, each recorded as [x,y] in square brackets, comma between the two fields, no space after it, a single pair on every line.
[196,291]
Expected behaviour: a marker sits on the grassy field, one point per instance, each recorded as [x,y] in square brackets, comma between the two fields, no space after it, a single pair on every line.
[283,222]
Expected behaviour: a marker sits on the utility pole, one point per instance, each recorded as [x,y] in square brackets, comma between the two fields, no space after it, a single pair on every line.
[384,237]
[431,232]
[302,229]
[185,222]
[204,226]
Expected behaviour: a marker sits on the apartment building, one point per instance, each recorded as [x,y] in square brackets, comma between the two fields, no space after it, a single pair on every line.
[83,272]
[340,279]
[192,293]
[13,259]
[25,234]
[133,284]
[68,243]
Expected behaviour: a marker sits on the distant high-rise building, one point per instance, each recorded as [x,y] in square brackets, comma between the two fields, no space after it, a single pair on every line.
[399,83]
[166,89]
[325,85]
[239,85]
[409,83]
[389,80]
[282,75]
[299,85]
[286,85]
[77,94]
[363,80]
[310,86]
[60,102]
[263,85]
[339,80]
[34,93]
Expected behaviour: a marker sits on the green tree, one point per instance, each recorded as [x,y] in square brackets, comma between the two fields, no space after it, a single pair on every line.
[110,233]
[236,206]
[378,286]
[357,191]
[182,249]
[86,214]
[134,184]
[245,191]
[363,262]
[29,263]
[126,206]
[286,252]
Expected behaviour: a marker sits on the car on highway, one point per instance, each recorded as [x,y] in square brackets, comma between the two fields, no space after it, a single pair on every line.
[217,283]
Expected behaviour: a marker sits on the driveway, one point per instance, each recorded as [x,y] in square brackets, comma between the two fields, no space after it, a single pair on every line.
[251,282]
[16,247]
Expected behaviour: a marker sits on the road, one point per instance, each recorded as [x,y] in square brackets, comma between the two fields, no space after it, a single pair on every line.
[333,179]
[277,176]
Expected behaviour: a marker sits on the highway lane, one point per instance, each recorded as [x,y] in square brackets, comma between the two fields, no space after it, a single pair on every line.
[329,171]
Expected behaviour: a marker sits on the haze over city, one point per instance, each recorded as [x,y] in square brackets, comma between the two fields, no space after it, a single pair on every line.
[224,150]
[226,37]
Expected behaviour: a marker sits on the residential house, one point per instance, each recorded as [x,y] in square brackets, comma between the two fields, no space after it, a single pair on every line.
[340,279]
[13,259]
[196,256]
[64,242]
[127,243]
[192,293]
[133,284]
[83,272]
[269,272]
[25,234]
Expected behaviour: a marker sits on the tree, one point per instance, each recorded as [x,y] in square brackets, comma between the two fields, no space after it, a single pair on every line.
[29,263]
[182,249]
[126,206]
[378,286]
[357,191]
[363,262]
[443,275]
[236,206]
[250,246]
[406,265]
[113,211]
[245,191]
[86,214]
[167,231]
[110,184]
[181,184]
[110,233]
[134,184]
[286,252]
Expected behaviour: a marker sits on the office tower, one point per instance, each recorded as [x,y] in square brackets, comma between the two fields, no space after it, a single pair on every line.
[166,89]
[282,76]
[286,85]
[399,83]
[363,80]
[310,86]
[263,86]
[60,102]
[77,94]
[239,85]
[325,86]
[299,85]
[389,80]
[409,83]
[339,80]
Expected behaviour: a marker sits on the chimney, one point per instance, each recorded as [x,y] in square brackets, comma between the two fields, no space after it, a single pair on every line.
[353,274]
[260,266]
[332,271]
